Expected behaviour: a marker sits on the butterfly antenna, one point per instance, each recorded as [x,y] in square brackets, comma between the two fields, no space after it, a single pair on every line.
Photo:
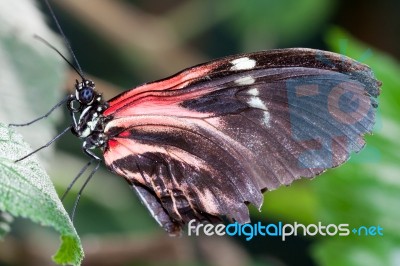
[79,70]
[46,145]
[59,53]
[78,197]
[62,102]
[76,178]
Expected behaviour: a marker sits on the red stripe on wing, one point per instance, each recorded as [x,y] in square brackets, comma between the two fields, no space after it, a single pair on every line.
[175,82]
[159,103]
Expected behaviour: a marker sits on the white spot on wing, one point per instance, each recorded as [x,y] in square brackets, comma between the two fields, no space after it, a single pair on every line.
[256,102]
[253,92]
[266,118]
[243,63]
[245,81]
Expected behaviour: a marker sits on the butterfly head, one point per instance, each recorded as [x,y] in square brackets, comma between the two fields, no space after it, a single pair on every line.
[85,92]
[86,107]
[85,96]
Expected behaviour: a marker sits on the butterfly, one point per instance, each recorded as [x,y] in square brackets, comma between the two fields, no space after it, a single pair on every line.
[204,143]
[209,140]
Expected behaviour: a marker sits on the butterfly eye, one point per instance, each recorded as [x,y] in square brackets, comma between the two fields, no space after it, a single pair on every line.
[86,95]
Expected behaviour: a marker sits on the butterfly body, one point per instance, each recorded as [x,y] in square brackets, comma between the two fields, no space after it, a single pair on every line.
[204,143]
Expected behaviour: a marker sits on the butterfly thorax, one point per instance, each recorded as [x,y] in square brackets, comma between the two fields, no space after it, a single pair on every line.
[87,107]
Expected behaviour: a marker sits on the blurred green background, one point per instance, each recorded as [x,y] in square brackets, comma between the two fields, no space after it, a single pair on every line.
[122,44]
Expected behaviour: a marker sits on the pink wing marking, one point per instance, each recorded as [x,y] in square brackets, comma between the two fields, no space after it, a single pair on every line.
[126,147]
[164,123]
[122,147]
[173,83]
[159,104]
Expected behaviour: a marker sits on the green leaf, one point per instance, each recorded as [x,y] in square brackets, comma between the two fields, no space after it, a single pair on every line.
[353,252]
[5,221]
[26,191]
[31,75]
[280,204]
[365,191]
[69,250]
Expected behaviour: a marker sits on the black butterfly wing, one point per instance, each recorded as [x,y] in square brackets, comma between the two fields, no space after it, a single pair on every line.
[207,141]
